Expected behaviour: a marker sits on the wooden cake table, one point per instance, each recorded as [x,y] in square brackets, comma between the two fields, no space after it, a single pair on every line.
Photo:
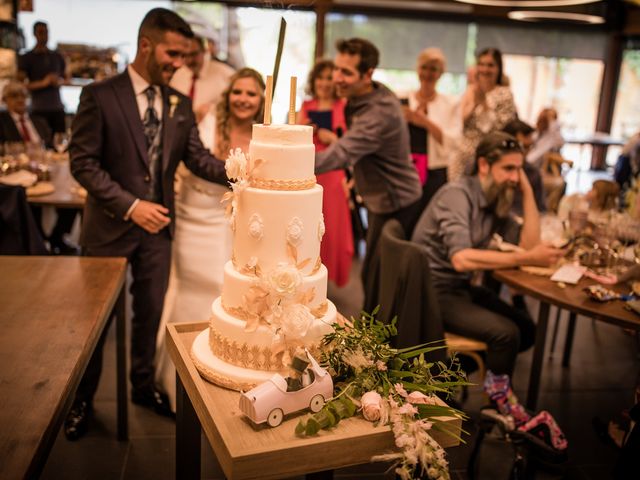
[245,451]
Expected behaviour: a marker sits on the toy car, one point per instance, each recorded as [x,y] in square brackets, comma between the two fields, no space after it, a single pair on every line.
[270,401]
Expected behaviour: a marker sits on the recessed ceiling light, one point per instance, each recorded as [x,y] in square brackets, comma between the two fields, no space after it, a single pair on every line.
[535,16]
[527,3]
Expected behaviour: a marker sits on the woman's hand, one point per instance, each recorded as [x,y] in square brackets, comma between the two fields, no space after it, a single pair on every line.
[415,117]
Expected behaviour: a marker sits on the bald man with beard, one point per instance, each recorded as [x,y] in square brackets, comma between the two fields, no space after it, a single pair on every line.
[457,228]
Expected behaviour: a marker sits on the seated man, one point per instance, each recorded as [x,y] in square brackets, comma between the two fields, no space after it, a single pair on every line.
[17,126]
[457,228]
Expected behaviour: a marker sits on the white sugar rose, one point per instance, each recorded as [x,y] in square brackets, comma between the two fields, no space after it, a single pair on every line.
[295,321]
[256,227]
[236,164]
[321,228]
[284,280]
[371,406]
[294,231]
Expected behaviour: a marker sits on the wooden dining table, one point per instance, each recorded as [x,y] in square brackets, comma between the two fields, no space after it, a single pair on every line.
[67,191]
[568,297]
[52,313]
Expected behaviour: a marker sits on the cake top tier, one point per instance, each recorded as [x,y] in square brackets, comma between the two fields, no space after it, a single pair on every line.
[283,134]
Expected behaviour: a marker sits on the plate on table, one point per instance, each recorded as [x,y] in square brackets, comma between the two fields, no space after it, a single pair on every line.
[41,188]
[21,178]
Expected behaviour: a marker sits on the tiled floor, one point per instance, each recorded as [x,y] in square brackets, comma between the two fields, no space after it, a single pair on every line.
[599,382]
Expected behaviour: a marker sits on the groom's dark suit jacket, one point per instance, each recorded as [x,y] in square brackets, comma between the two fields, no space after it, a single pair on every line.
[108,151]
[109,155]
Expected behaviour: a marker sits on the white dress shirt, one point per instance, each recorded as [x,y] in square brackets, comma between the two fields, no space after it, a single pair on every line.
[140,86]
[444,111]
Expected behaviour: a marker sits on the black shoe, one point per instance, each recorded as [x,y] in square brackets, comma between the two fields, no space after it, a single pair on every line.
[151,398]
[76,423]
[62,247]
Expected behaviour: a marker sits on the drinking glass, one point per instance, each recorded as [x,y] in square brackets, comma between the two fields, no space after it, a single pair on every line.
[61,141]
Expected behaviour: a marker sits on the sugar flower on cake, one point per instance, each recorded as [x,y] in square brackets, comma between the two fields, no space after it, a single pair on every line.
[236,165]
[284,280]
[294,231]
[256,226]
[295,322]
[321,228]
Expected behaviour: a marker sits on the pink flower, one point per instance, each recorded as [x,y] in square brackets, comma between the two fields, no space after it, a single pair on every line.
[381,366]
[407,409]
[371,406]
[419,398]
[400,389]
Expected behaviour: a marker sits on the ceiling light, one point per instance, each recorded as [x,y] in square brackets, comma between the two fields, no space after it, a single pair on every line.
[407,4]
[536,15]
[527,3]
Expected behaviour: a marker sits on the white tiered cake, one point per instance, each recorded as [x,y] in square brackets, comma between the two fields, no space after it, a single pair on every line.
[274,295]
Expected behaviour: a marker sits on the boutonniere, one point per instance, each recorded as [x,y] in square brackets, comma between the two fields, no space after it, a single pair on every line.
[173,100]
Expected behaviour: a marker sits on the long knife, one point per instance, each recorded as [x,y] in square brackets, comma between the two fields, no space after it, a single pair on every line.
[276,67]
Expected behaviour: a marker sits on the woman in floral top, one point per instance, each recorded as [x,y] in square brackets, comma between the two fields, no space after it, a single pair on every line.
[487,106]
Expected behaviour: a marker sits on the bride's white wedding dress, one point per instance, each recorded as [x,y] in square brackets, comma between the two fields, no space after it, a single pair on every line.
[201,247]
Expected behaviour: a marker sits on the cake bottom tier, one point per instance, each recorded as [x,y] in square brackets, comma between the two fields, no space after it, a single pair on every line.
[222,373]
[240,360]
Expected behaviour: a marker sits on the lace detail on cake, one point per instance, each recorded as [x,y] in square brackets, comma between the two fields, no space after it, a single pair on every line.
[284,185]
[215,377]
[251,356]
[295,229]
[256,226]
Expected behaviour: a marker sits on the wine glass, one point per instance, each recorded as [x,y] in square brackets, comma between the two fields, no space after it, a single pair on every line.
[60,141]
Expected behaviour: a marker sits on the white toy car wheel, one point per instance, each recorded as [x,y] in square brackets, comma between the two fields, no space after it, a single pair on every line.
[316,403]
[275,417]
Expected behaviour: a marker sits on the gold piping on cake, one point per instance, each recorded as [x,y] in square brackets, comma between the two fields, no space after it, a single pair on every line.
[285,185]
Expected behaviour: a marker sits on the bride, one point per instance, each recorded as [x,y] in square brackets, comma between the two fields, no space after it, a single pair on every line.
[202,241]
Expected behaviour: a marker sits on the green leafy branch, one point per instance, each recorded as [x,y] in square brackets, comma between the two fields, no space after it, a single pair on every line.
[360,359]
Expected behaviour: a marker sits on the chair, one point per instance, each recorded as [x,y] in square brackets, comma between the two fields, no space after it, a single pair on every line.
[406,291]
[19,233]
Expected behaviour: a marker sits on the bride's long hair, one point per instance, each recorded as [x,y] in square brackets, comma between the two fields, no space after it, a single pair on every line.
[223,110]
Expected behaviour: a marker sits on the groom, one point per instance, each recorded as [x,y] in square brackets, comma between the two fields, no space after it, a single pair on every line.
[128,136]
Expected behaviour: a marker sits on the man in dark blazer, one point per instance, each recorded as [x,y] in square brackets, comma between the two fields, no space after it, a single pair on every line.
[16,125]
[129,134]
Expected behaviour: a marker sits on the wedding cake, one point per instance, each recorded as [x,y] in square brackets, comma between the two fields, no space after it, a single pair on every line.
[274,294]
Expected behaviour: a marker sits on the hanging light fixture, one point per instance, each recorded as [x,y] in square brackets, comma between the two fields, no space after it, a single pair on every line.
[537,16]
[527,3]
